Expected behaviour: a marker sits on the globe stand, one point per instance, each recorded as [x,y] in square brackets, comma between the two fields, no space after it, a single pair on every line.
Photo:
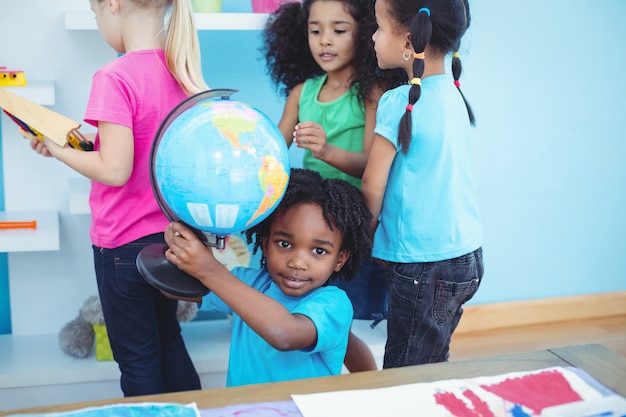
[165,276]
[218,242]
[151,261]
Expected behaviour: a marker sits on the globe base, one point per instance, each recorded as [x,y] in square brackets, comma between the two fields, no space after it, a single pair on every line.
[165,276]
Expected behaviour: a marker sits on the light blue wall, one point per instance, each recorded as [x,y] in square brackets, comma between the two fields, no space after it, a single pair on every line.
[544,79]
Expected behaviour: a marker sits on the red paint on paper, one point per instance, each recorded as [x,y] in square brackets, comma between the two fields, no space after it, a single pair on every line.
[536,391]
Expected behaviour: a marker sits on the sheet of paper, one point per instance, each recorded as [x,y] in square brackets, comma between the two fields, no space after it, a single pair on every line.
[519,394]
[127,410]
[263,409]
[611,406]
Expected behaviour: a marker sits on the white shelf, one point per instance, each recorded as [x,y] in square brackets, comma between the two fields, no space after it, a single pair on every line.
[204,21]
[38,360]
[45,237]
[40,92]
[34,371]
[230,21]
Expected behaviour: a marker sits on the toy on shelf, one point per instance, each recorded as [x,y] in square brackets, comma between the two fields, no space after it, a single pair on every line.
[77,337]
[36,121]
[12,78]
[32,224]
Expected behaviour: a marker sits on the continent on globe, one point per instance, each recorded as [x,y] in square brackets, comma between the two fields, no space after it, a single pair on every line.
[273,180]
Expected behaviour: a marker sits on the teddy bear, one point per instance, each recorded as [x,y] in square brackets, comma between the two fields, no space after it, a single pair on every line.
[77,337]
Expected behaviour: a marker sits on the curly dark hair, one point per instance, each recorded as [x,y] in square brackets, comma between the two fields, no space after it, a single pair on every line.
[343,207]
[289,60]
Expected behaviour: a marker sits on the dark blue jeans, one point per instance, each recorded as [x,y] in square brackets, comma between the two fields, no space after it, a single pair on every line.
[425,306]
[367,291]
[142,325]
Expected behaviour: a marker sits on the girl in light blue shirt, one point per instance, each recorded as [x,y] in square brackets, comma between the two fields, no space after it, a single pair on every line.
[418,182]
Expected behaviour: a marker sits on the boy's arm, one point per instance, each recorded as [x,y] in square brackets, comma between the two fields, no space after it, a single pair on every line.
[111,165]
[267,317]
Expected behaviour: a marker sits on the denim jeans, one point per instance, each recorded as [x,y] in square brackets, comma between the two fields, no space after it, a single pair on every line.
[367,291]
[142,326]
[425,306]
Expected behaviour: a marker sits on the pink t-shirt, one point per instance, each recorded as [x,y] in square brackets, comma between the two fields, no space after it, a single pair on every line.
[135,90]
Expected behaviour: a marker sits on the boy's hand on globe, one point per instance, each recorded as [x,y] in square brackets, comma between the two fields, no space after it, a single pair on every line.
[187,252]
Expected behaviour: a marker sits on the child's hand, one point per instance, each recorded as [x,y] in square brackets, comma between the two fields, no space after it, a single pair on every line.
[40,147]
[187,252]
[311,136]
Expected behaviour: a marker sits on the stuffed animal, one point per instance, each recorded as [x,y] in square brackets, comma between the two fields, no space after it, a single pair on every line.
[77,337]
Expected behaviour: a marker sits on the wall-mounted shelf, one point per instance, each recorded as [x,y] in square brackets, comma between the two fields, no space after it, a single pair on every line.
[41,92]
[44,238]
[204,21]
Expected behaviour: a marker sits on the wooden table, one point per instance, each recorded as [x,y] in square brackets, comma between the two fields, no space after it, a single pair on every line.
[604,365]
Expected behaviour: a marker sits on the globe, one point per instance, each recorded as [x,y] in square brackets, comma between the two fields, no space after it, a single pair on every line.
[219,165]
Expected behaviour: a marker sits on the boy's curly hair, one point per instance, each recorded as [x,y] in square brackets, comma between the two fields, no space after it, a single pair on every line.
[289,60]
[343,207]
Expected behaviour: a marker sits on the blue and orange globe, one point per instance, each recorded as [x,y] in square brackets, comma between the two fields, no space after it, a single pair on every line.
[219,165]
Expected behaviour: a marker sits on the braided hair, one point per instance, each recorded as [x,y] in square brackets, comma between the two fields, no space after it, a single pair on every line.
[439,24]
[289,59]
[343,208]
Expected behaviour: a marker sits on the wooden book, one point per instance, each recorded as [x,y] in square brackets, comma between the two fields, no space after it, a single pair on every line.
[55,126]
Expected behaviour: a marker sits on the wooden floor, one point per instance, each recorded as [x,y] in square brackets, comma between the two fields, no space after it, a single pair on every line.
[609,332]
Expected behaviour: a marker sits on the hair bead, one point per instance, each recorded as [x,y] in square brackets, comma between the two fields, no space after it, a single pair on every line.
[457,83]
[409,108]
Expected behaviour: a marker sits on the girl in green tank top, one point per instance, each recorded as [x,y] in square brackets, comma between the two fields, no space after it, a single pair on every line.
[320,54]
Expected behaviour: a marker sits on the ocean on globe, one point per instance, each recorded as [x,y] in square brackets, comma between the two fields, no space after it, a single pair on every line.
[219,165]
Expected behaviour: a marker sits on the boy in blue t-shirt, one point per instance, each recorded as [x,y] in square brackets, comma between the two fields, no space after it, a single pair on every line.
[287,323]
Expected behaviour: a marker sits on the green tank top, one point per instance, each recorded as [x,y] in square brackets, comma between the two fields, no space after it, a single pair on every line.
[343,120]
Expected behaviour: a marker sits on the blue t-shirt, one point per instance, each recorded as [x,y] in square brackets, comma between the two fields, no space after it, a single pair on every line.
[253,361]
[430,210]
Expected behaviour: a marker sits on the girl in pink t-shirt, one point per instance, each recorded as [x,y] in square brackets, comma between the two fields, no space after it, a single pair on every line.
[129,98]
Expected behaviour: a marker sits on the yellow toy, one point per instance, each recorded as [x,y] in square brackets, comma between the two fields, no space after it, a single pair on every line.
[12,78]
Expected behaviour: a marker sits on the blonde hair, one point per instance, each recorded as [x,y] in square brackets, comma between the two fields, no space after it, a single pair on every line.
[181,43]
[182,47]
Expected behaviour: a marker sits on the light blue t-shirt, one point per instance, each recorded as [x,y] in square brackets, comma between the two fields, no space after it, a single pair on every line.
[430,210]
[253,361]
